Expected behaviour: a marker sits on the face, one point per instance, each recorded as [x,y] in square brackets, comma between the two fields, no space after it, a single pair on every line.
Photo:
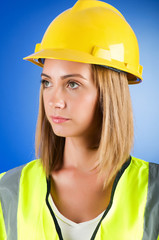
[70,98]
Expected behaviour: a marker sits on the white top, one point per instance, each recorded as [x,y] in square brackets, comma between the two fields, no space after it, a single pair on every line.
[71,230]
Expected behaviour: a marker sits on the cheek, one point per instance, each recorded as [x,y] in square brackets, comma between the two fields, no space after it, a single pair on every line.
[85,105]
[46,105]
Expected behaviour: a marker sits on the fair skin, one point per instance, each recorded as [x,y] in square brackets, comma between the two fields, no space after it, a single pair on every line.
[71,93]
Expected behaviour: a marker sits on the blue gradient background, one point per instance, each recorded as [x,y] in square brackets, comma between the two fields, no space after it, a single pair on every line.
[23,24]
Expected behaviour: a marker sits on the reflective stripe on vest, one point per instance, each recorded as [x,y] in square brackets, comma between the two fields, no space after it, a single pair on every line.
[151,219]
[132,213]
[9,193]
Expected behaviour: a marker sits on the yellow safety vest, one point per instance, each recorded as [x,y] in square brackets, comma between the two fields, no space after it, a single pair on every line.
[132,214]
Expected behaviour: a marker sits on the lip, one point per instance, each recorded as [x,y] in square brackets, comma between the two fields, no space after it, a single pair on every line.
[58,119]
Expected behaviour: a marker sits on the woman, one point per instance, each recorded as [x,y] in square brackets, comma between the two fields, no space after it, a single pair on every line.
[85,184]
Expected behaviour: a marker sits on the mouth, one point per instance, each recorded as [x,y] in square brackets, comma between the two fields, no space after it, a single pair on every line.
[59,119]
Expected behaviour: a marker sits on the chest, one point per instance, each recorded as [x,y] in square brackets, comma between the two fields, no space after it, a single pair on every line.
[79,197]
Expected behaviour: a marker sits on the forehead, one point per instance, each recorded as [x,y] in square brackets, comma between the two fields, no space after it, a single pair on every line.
[60,67]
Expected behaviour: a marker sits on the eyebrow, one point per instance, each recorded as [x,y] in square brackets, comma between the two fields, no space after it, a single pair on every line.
[65,76]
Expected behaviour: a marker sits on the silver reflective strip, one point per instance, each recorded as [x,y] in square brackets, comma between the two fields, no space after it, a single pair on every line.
[151,218]
[9,194]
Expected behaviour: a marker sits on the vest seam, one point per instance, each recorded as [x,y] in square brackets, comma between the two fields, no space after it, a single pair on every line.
[58,229]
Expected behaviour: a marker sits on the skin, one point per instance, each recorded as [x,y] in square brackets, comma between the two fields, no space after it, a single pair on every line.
[75,189]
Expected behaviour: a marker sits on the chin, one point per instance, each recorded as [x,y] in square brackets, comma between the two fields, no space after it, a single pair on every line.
[65,134]
[61,133]
[67,131]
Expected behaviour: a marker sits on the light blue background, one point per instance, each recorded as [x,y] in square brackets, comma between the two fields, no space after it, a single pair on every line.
[23,24]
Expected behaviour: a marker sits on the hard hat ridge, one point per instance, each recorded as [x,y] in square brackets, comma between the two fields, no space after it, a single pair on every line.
[83,4]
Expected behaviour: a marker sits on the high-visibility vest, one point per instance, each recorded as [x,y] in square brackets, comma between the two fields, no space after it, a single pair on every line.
[132,214]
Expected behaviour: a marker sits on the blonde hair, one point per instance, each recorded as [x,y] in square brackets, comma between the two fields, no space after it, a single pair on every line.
[117,131]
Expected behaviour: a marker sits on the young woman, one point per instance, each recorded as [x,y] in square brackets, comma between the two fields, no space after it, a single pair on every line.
[85,185]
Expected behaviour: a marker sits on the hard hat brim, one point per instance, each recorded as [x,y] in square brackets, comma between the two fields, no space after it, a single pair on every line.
[79,56]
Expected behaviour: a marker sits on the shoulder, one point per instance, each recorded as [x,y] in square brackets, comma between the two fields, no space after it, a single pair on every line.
[137,162]
[20,181]
[141,164]
[12,177]
[147,175]
[143,173]
[148,171]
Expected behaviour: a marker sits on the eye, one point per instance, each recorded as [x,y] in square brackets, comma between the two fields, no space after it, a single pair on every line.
[73,85]
[45,83]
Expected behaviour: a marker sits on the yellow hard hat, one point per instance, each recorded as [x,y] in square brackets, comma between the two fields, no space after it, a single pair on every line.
[91,32]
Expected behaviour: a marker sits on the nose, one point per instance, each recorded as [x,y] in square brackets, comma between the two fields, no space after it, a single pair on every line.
[57,99]
[58,104]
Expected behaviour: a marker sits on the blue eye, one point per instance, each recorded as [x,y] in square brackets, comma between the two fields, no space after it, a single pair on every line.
[73,85]
[45,83]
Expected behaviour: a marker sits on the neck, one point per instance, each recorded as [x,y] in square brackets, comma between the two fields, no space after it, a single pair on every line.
[79,155]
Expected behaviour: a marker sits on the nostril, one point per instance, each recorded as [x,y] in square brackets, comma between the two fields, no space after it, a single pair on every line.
[60,104]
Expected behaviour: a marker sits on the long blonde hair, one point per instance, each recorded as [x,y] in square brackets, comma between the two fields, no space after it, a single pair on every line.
[117,132]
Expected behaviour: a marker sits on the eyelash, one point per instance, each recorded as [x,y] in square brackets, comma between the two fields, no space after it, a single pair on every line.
[43,82]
